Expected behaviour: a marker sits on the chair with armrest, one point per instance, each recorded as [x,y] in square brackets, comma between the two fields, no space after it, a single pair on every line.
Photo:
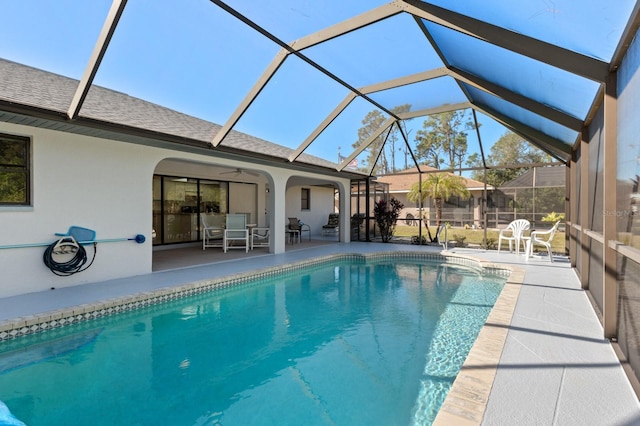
[248,217]
[212,229]
[514,233]
[333,224]
[236,231]
[260,237]
[542,238]
[296,225]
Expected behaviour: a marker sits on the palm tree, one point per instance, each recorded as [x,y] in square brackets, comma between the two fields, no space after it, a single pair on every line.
[440,187]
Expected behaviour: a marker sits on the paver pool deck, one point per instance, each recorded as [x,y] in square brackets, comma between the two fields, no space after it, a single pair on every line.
[541,358]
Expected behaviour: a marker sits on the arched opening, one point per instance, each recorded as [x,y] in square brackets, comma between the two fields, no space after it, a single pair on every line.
[182,190]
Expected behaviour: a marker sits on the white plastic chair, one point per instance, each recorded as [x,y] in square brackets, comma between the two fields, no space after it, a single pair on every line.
[212,229]
[516,230]
[542,238]
[236,230]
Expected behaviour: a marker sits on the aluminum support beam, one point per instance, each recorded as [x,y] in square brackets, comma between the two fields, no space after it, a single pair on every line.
[266,76]
[435,110]
[555,147]
[570,216]
[404,81]
[364,145]
[585,195]
[556,56]
[416,78]
[99,50]
[524,102]
[364,19]
[610,220]
[325,123]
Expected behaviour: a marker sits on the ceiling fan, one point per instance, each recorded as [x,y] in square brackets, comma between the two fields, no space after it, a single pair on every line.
[238,171]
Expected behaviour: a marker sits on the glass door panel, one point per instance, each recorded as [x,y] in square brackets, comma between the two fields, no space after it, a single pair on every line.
[180,210]
[157,210]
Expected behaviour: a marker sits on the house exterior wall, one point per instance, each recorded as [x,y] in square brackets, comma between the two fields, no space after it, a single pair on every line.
[85,182]
[456,216]
[105,186]
[322,202]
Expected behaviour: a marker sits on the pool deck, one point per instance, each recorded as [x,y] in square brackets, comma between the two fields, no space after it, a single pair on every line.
[550,366]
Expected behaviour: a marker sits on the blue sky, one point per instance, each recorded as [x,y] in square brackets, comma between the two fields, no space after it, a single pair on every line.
[195,58]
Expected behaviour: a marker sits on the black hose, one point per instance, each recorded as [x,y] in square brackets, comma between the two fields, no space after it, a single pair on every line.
[73,265]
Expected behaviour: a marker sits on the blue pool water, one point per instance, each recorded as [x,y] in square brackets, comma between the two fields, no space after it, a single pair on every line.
[345,344]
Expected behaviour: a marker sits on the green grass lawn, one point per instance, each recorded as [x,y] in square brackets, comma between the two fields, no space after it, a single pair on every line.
[474,237]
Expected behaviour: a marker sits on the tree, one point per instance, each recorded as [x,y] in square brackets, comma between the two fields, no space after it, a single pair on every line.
[386,215]
[370,124]
[440,187]
[510,149]
[443,140]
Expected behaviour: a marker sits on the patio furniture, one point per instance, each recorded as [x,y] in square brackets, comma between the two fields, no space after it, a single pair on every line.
[357,222]
[293,235]
[333,224]
[236,231]
[260,237]
[212,229]
[542,238]
[514,233]
[296,224]
[248,219]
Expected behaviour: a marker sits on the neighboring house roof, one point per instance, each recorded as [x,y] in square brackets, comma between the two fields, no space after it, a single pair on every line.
[544,177]
[29,91]
[402,181]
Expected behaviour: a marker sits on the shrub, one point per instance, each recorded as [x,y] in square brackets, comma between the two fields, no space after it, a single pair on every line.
[419,240]
[490,244]
[459,239]
[553,217]
[386,215]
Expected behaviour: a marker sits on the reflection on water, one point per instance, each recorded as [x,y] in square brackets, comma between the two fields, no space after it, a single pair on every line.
[341,344]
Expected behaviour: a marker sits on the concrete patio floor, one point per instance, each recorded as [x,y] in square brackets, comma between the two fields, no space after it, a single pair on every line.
[555,367]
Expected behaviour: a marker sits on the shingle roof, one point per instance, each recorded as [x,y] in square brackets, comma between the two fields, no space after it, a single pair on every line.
[403,181]
[24,85]
[544,177]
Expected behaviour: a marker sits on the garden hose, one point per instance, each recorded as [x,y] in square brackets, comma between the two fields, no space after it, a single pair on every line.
[67,246]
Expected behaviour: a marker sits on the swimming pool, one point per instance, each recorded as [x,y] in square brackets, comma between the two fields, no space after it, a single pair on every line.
[348,343]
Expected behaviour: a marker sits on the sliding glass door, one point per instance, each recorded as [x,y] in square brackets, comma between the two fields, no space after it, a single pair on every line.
[178,201]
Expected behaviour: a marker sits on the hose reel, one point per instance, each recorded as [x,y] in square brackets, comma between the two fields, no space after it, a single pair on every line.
[67,256]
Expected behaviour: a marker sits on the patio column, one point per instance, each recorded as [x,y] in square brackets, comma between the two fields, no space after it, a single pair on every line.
[278,218]
[344,207]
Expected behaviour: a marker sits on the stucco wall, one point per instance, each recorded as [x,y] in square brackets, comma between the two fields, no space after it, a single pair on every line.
[102,185]
[322,202]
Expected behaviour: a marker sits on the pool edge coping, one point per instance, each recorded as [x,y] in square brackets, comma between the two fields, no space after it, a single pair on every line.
[466,402]
[467,399]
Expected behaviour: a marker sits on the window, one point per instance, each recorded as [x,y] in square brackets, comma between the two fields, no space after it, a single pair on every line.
[306,199]
[15,171]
